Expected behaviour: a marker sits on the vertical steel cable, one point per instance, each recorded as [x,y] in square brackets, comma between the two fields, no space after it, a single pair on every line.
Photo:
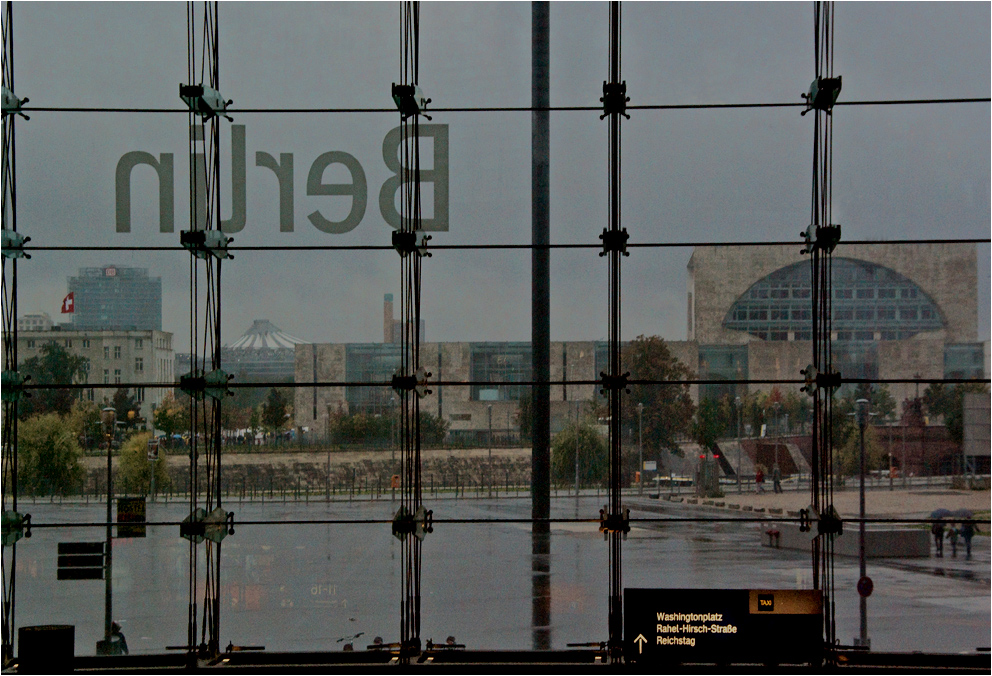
[205,418]
[821,270]
[410,291]
[614,534]
[10,408]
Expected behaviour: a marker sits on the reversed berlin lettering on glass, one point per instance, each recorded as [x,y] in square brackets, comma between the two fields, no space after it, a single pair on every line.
[283,169]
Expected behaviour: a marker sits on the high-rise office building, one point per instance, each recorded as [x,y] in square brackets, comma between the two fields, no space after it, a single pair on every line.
[114,297]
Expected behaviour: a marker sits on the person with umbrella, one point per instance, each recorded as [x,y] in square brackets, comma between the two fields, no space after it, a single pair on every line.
[937,529]
[967,530]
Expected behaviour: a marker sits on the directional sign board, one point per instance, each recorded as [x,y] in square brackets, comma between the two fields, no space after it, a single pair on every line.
[722,626]
[80,561]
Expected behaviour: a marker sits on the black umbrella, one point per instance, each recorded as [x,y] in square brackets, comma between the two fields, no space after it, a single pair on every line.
[941,513]
[963,513]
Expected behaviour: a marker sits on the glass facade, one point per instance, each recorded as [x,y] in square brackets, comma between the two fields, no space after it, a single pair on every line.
[311,485]
[870,302]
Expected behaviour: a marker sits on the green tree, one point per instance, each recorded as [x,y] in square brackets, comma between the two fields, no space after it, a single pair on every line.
[594,462]
[709,424]
[433,429]
[668,409]
[525,414]
[54,366]
[134,472]
[127,407]
[172,416]
[48,456]
[847,456]
[948,402]
[274,410]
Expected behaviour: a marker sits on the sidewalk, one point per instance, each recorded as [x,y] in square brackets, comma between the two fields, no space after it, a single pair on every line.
[912,503]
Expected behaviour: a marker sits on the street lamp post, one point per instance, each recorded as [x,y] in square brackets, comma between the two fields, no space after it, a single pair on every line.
[737,404]
[861,415]
[576,449]
[490,408]
[108,417]
[640,447]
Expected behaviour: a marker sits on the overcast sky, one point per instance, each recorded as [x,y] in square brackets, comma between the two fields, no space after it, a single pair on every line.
[720,175]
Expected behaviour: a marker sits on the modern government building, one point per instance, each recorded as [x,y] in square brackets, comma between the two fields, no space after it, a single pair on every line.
[899,312]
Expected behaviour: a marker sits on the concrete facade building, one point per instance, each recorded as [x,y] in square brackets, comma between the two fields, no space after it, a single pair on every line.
[115,358]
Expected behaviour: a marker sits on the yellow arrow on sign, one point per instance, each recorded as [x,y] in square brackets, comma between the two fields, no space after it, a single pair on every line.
[640,641]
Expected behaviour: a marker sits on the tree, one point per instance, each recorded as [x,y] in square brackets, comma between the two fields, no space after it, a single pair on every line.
[134,473]
[949,403]
[48,456]
[433,429]
[172,416]
[594,462]
[127,407]
[54,366]
[668,409]
[847,456]
[274,410]
[525,414]
[708,425]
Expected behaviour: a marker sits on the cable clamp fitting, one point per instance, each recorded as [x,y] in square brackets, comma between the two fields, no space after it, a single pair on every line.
[614,523]
[816,380]
[822,237]
[416,382]
[417,524]
[206,243]
[13,244]
[15,526]
[615,99]
[201,525]
[410,100]
[822,95]
[614,382]
[830,522]
[13,386]
[405,243]
[204,101]
[197,384]
[12,105]
[614,240]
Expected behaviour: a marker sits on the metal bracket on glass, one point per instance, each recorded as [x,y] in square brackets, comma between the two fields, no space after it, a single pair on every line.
[822,95]
[415,383]
[614,240]
[418,524]
[405,244]
[13,245]
[15,526]
[615,99]
[206,243]
[204,101]
[410,100]
[822,237]
[12,104]
[201,525]
[614,523]
[830,522]
[815,380]
[13,386]
[196,384]
[614,382]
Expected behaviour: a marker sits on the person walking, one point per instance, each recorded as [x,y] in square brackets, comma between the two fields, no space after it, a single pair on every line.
[967,532]
[938,536]
[776,478]
[952,537]
[759,481]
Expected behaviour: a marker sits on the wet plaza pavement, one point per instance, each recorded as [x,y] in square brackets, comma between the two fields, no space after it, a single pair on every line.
[308,585]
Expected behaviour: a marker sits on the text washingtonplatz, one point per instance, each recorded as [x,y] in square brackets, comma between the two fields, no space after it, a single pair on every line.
[682,628]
